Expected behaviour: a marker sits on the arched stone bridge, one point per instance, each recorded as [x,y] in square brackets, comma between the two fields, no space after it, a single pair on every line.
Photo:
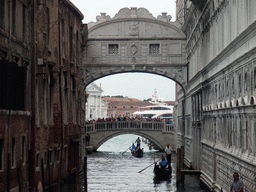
[134,41]
[159,133]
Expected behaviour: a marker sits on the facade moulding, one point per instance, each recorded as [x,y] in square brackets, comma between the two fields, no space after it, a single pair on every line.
[14,112]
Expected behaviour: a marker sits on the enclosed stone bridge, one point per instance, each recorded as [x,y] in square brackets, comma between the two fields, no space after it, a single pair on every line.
[134,41]
[159,133]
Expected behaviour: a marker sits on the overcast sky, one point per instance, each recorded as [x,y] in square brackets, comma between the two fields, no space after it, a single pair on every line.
[133,85]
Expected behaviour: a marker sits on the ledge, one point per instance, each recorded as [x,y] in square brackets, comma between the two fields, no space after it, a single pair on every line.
[14,112]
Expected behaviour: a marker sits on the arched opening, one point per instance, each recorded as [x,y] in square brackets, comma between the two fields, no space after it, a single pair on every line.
[134,90]
[123,142]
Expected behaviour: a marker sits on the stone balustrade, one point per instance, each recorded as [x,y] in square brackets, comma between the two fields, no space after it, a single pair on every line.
[117,125]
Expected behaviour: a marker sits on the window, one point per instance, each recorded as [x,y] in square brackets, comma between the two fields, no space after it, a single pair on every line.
[131,106]
[13,86]
[24,22]
[50,156]
[48,24]
[65,99]
[44,102]
[51,96]
[2,14]
[124,107]
[71,43]
[113,49]
[37,161]
[13,152]
[1,154]
[23,149]
[13,16]
[58,154]
[154,48]
[45,158]
[73,88]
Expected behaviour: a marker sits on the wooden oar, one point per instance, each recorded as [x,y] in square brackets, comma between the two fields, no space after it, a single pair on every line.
[149,165]
[126,150]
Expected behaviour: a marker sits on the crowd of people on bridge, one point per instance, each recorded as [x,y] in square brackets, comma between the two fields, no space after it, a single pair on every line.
[127,118]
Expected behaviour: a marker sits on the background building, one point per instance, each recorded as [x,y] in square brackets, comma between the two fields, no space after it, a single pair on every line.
[95,106]
[121,107]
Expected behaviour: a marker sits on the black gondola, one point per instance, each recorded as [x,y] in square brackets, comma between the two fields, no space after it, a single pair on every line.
[137,153]
[162,173]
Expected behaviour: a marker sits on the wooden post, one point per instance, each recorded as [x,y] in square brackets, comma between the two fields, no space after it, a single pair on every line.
[178,166]
[85,174]
[182,163]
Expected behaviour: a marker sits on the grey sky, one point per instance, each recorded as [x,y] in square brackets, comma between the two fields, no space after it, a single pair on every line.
[138,85]
[133,85]
[91,9]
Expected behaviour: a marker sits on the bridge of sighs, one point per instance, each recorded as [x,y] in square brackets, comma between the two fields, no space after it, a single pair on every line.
[133,41]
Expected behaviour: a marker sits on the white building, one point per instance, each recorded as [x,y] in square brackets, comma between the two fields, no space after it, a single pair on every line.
[95,106]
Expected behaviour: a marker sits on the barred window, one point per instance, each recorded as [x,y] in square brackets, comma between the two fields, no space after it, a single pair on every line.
[113,48]
[2,14]
[154,48]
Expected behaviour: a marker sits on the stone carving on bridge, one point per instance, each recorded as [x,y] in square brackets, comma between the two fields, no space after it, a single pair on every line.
[164,17]
[103,17]
[134,49]
[134,28]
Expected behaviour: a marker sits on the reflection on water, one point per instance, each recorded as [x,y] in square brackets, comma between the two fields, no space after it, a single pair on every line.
[110,170]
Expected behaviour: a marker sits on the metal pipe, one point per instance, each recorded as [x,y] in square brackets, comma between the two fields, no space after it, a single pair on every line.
[8,102]
[30,88]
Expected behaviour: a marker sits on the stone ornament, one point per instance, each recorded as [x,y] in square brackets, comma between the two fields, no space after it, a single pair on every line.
[134,28]
[134,49]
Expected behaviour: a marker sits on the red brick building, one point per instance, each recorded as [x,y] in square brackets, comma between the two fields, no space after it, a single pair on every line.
[14,94]
[40,92]
[123,106]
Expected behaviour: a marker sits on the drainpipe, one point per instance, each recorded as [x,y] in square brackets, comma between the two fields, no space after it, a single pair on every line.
[30,94]
[61,106]
[9,115]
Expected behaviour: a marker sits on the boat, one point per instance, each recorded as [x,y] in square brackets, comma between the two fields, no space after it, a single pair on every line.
[137,153]
[158,109]
[162,173]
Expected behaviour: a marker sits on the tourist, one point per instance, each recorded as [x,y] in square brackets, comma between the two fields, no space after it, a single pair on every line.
[163,162]
[237,184]
[168,152]
[87,139]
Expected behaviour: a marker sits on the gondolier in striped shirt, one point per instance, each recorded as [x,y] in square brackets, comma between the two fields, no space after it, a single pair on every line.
[168,152]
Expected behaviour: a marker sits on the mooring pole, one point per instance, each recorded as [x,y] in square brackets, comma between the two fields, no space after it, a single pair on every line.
[85,174]
[178,166]
[182,156]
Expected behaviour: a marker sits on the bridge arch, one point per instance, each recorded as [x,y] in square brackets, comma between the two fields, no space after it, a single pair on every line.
[143,134]
[134,41]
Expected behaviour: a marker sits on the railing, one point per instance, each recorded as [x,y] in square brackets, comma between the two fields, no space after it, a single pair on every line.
[114,125]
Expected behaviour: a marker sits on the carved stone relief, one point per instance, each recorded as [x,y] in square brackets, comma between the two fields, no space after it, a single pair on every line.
[134,28]
[134,49]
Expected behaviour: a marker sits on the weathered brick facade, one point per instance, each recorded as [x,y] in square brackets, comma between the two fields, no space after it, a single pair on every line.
[40,92]
[14,94]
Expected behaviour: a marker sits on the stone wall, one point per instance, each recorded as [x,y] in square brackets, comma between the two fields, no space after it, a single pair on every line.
[221,87]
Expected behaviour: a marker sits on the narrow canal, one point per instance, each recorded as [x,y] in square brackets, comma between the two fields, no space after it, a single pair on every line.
[111,171]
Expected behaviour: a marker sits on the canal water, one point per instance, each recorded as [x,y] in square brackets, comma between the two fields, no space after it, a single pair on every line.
[111,170]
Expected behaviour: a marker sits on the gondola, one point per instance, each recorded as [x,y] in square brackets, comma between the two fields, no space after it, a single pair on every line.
[162,173]
[138,153]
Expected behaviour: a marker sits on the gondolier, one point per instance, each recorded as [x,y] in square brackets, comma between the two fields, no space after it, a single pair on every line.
[138,142]
[168,152]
